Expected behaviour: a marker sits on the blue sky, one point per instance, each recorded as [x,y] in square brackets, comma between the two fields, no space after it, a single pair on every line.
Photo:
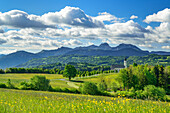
[83,22]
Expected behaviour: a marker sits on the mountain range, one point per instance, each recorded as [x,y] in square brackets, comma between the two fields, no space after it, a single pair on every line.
[20,57]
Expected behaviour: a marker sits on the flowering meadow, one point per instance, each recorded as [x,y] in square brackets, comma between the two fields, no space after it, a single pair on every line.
[21,101]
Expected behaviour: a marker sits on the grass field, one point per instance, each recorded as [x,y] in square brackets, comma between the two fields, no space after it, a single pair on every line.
[109,78]
[17,78]
[56,80]
[21,101]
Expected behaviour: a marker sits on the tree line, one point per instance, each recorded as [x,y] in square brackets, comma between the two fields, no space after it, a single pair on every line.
[139,76]
[53,71]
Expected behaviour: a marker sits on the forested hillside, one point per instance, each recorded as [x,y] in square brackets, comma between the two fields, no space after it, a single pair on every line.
[99,60]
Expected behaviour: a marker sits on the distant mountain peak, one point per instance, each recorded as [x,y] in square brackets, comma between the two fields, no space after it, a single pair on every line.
[105,46]
[123,46]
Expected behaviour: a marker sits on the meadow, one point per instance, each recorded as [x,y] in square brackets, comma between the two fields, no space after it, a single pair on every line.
[56,80]
[21,101]
[16,78]
[29,101]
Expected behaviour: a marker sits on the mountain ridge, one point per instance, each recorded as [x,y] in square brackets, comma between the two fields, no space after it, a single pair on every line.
[104,49]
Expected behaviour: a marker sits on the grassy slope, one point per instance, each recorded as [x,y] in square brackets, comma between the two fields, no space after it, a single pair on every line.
[17,78]
[55,79]
[21,101]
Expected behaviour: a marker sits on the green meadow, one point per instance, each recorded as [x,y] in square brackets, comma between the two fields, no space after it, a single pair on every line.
[56,80]
[27,101]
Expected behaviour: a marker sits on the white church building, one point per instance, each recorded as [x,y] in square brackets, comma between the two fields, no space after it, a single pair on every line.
[119,67]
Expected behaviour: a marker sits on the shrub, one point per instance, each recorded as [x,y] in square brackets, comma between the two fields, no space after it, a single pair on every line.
[74,90]
[66,90]
[125,94]
[102,86]
[57,89]
[25,86]
[139,94]
[10,85]
[89,88]
[114,87]
[132,90]
[2,85]
[40,83]
[152,92]
[2,71]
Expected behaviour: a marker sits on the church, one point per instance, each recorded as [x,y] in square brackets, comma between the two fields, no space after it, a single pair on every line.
[119,67]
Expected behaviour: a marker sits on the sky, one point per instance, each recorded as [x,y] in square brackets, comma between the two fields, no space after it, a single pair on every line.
[36,25]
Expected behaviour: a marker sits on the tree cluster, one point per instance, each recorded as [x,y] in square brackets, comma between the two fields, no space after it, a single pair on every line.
[141,75]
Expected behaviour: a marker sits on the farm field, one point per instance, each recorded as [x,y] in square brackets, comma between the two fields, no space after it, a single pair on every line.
[21,101]
[56,80]
[16,78]
[109,78]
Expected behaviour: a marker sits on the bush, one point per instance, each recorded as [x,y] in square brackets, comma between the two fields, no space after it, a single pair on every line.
[2,85]
[40,83]
[2,71]
[114,87]
[132,90]
[10,85]
[152,92]
[102,86]
[89,88]
[139,94]
[66,90]
[25,86]
[57,89]
[125,94]
[74,90]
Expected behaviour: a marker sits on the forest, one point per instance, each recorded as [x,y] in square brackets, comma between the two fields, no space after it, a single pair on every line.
[152,59]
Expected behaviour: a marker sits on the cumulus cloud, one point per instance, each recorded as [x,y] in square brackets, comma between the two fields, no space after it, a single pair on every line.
[133,17]
[7,51]
[1,30]
[2,41]
[74,29]
[146,45]
[107,17]
[71,16]
[72,42]
[20,19]
[165,47]
[161,16]
[160,34]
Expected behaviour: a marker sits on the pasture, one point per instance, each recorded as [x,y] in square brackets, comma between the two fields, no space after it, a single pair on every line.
[21,101]
[56,80]
[16,78]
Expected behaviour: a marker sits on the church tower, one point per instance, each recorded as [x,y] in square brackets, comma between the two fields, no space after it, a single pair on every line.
[125,63]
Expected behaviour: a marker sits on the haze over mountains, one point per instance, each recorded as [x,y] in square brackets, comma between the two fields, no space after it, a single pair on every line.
[20,57]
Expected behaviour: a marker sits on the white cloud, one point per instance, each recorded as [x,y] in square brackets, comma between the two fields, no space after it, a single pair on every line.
[71,16]
[72,42]
[165,47]
[7,51]
[161,16]
[133,17]
[107,17]
[20,19]
[1,30]
[146,45]
[160,34]
[74,25]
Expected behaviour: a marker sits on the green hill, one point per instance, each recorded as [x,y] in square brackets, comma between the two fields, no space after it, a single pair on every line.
[99,60]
